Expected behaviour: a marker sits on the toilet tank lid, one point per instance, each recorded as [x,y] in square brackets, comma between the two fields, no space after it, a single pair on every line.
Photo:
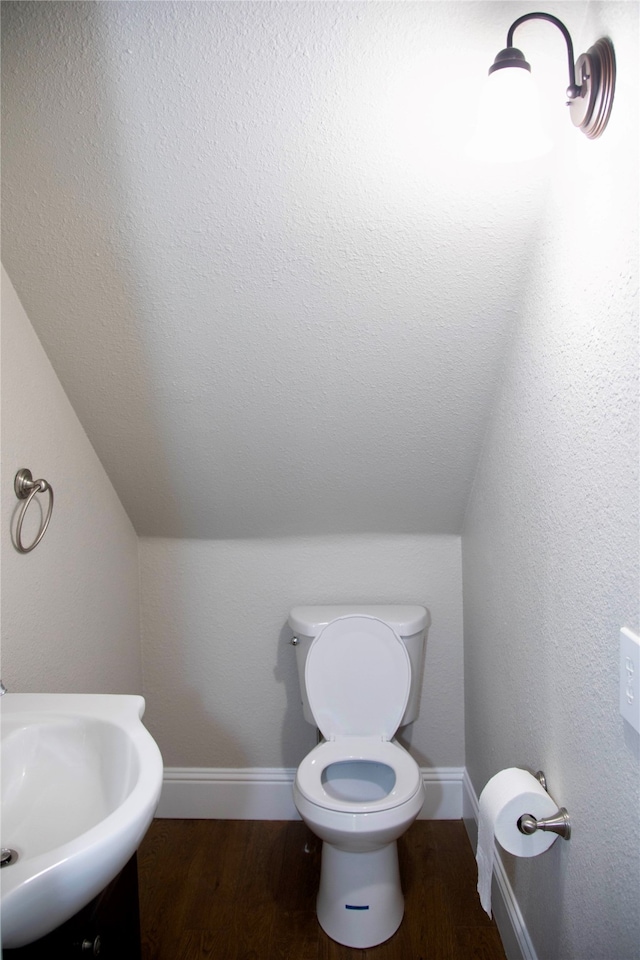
[405,619]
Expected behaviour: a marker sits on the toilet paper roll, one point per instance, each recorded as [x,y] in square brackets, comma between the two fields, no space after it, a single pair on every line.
[506,797]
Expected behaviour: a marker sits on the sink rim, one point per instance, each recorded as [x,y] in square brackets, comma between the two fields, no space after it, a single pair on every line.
[91,860]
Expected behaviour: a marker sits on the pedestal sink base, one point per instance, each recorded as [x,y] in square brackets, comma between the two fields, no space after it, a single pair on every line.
[108,927]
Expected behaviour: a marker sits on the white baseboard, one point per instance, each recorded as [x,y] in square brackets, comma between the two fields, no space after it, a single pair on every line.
[443,788]
[203,793]
[266,793]
[510,922]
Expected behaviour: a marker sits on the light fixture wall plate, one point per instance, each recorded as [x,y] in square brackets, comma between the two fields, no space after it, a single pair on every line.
[596,77]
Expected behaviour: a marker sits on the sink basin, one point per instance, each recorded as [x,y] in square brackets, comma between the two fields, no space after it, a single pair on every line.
[81,779]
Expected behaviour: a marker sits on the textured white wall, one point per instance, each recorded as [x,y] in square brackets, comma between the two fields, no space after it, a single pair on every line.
[550,544]
[70,611]
[271,282]
[219,674]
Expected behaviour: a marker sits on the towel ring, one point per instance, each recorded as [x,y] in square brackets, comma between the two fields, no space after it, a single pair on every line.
[26,488]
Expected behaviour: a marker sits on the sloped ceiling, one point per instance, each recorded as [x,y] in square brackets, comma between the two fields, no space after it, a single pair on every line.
[275,289]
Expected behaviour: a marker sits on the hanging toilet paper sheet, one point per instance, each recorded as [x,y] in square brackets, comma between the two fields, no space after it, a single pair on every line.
[506,797]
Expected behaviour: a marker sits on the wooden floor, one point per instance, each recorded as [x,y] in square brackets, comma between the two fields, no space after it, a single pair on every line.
[245,890]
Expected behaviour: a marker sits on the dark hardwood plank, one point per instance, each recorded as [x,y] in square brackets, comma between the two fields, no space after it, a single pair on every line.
[246,890]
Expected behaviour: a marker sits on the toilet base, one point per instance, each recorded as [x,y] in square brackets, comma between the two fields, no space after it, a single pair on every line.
[360,900]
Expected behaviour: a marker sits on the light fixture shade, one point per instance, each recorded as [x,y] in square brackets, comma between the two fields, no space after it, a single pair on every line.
[509,123]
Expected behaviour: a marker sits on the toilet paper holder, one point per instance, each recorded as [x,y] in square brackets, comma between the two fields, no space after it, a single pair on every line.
[559,823]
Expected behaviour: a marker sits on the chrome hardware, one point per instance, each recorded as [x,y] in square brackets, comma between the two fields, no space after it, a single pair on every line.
[3,689]
[542,780]
[26,488]
[294,641]
[559,823]
[91,947]
[7,857]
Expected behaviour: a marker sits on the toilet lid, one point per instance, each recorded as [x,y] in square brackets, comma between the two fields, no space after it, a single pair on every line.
[357,676]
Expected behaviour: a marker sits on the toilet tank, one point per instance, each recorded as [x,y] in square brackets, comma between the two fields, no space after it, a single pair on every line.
[410,622]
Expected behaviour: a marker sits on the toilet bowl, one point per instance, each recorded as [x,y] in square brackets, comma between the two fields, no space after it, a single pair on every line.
[358,790]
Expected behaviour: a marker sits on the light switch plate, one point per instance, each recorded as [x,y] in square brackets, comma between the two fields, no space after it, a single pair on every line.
[630,677]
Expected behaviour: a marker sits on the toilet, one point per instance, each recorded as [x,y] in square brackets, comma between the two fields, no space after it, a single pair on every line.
[360,670]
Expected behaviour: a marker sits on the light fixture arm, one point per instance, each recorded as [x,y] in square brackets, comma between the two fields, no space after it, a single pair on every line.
[573,90]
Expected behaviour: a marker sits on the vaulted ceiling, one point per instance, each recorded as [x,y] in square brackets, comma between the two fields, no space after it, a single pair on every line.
[276,290]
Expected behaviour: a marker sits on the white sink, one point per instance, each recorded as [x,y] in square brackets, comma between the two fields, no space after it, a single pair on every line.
[81,779]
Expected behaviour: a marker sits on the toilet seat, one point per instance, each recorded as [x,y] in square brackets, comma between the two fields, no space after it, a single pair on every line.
[358,676]
[408,778]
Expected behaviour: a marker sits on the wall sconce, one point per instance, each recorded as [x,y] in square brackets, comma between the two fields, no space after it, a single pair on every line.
[509,124]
